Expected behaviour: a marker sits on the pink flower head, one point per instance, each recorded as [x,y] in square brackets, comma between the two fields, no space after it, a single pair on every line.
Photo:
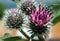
[40,17]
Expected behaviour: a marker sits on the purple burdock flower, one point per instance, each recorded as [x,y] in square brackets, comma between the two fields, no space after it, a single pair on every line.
[39,18]
[27,6]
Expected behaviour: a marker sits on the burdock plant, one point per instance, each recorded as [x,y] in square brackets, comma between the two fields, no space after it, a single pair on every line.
[31,15]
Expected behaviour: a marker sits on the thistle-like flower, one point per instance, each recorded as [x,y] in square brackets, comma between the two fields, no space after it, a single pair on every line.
[39,22]
[15,19]
[40,17]
[27,6]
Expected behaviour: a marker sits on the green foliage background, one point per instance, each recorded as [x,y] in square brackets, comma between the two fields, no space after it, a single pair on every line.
[2,7]
[56,8]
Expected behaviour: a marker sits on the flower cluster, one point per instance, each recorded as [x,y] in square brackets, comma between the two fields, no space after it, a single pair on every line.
[28,15]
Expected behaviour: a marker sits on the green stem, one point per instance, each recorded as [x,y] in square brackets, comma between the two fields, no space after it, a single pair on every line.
[24,34]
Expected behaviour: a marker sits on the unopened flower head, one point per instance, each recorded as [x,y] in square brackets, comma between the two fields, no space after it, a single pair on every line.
[14,18]
[27,6]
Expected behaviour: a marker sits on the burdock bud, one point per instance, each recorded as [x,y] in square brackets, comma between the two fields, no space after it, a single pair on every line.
[27,6]
[13,18]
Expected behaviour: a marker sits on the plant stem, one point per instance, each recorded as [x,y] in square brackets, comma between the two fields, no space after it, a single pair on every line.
[24,34]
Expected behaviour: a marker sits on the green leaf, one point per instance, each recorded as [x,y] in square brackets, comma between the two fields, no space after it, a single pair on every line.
[55,6]
[56,20]
[2,8]
[7,35]
[56,11]
[13,39]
